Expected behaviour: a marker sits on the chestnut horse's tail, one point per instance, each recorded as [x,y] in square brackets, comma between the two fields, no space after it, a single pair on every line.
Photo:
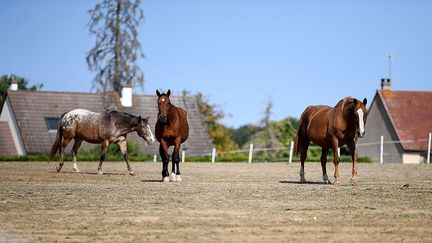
[58,140]
[301,133]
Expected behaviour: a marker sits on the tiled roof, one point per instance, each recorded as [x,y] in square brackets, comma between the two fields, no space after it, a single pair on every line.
[7,145]
[411,115]
[31,109]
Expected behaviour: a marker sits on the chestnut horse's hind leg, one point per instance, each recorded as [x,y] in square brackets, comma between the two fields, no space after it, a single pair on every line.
[354,156]
[163,151]
[75,148]
[62,148]
[104,148]
[303,156]
[123,148]
[324,154]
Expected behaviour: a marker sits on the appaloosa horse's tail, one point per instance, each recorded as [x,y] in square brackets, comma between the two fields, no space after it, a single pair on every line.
[58,140]
[301,133]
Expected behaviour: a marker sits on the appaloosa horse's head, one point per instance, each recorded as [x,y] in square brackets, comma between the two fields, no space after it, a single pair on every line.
[163,105]
[143,130]
[360,114]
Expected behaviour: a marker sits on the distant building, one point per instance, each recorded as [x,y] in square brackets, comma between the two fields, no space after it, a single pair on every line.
[29,119]
[404,118]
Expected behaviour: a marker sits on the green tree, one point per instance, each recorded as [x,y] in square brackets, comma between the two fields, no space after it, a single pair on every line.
[5,82]
[114,56]
[219,134]
[244,133]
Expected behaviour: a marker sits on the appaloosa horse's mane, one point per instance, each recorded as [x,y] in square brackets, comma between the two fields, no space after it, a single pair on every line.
[330,128]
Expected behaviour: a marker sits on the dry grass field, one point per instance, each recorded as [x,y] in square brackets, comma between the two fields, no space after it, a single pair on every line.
[222,202]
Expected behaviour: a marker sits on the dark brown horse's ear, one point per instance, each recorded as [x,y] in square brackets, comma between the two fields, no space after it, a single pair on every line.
[158,93]
[364,101]
[169,92]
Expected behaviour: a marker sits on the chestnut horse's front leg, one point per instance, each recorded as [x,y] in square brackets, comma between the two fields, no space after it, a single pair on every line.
[336,159]
[354,156]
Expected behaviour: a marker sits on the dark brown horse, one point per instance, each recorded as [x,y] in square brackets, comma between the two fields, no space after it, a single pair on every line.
[330,128]
[171,129]
[103,128]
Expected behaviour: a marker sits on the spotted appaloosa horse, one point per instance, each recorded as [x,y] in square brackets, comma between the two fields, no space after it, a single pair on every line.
[330,128]
[171,129]
[104,128]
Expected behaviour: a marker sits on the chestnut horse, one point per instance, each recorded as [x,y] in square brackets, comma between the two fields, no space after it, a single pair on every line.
[171,129]
[103,128]
[330,128]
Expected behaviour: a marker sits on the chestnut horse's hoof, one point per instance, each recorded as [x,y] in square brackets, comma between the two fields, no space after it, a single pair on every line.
[353,181]
[166,179]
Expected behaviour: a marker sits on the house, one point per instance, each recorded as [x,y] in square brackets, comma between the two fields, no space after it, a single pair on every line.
[29,119]
[404,119]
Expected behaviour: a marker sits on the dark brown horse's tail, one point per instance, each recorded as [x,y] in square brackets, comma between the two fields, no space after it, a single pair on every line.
[58,140]
[301,133]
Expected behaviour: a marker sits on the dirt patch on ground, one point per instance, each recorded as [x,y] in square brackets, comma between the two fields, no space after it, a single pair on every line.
[222,202]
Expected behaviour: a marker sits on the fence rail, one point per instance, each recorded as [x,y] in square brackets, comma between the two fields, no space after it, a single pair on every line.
[214,154]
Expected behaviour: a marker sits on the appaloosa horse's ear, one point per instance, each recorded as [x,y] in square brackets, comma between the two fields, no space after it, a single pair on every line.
[169,92]
[158,93]
[364,101]
[147,119]
[139,118]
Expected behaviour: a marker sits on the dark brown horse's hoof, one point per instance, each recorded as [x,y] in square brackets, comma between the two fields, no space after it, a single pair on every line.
[166,179]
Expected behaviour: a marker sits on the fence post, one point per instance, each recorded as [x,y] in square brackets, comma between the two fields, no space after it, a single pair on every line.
[183,156]
[213,155]
[250,153]
[154,158]
[291,152]
[382,150]
[429,148]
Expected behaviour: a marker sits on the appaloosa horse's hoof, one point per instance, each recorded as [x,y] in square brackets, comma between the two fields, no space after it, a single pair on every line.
[166,179]
[75,169]
[58,169]
[100,172]
[132,173]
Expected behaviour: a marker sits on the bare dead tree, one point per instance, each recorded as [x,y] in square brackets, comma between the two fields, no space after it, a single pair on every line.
[114,56]
[271,141]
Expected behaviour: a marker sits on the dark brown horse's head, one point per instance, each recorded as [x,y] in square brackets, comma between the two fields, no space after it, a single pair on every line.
[143,130]
[163,105]
[360,113]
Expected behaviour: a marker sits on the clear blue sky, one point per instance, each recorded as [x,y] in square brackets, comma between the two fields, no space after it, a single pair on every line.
[238,53]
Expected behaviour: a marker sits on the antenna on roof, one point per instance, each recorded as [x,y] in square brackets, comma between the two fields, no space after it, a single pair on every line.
[390,56]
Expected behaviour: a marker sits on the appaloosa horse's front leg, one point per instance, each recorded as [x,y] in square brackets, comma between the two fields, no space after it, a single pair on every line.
[75,148]
[354,156]
[336,160]
[324,154]
[163,151]
[123,148]
[104,148]
[175,174]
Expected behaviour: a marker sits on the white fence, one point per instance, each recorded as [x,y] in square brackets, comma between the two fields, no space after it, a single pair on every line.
[213,155]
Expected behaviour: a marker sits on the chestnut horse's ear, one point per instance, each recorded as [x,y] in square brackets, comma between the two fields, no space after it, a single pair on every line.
[364,101]
[355,101]
[158,93]
[169,92]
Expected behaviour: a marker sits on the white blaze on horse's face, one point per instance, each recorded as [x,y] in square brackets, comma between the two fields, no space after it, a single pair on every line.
[361,122]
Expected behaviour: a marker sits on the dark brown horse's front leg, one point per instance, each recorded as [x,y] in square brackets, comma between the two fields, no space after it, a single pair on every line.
[123,148]
[354,156]
[175,175]
[324,154]
[104,148]
[336,160]
[163,152]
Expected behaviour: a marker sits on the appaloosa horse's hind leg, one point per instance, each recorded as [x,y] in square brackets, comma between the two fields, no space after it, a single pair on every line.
[75,148]
[62,148]
[324,154]
[123,148]
[303,156]
[104,148]
[163,152]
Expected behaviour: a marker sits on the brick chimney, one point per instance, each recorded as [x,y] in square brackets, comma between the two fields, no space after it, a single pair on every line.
[14,84]
[126,96]
[385,84]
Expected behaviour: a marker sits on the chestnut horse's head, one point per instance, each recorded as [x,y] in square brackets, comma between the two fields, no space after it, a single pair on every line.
[360,116]
[163,105]
[144,130]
